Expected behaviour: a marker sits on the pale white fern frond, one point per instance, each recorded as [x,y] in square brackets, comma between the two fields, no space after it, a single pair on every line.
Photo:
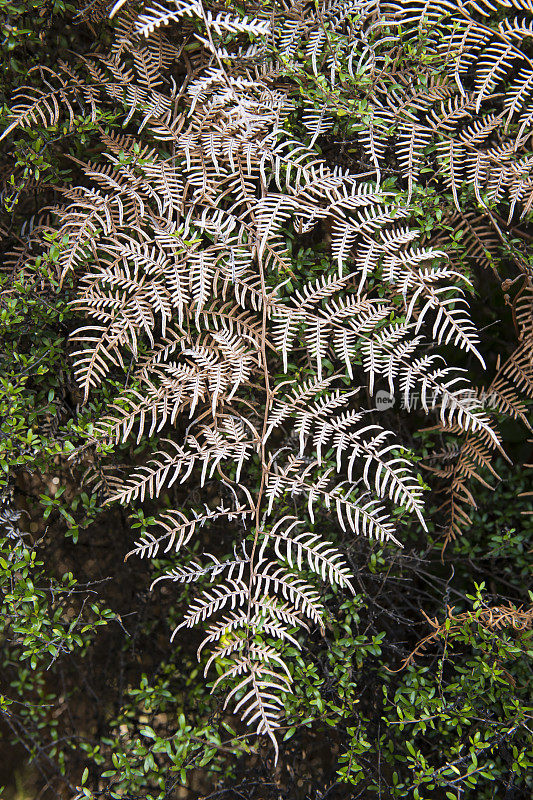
[178,529]
[321,556]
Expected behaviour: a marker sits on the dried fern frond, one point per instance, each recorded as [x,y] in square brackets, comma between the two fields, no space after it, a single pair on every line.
[492,618]
[263,381]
